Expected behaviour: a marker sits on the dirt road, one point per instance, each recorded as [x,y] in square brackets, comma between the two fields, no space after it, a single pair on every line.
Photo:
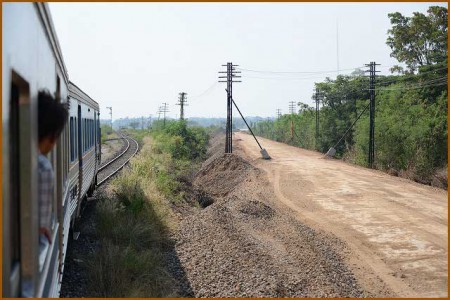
[397,230]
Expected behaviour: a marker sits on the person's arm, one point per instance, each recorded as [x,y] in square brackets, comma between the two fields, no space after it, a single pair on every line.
[45,202]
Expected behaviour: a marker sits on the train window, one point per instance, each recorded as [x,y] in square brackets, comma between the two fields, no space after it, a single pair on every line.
[75,138]
[16,184]
[72,141]
[92,136]
[89,133]
[84,135]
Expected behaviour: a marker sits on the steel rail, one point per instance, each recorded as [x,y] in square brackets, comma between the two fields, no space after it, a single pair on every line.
[118,156]
[121,167]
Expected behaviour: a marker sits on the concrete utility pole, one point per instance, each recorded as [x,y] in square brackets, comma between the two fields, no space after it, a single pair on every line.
[149,121]
[164,109]
[292,111]
[231,73]
[316,97]
[372,74]
[159,113]
[182,102]
[110,113]
[292,107]
[278,113]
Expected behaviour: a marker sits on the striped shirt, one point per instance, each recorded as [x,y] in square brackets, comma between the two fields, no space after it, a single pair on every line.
[45,190]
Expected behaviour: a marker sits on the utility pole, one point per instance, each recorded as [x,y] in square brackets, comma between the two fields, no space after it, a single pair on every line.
[110,113]
[150,121]
[231,74]
[316,97]
[164,109]
[292,107]
[159,113]
[278,113]
[291,111]
[182,102]
[372,74]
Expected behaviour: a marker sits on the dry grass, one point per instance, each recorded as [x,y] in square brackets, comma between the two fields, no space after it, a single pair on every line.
[134,226]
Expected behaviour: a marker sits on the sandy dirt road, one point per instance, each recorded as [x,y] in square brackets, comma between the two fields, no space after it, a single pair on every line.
[397,230]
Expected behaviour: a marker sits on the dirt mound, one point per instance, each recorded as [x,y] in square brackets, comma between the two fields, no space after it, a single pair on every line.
[216,148]
[223,174]
[257,209]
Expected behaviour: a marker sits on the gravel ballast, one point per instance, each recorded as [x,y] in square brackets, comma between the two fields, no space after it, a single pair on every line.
[243,245]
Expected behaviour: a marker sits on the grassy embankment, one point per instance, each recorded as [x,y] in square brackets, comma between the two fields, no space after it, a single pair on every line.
[134,224]
[107,133]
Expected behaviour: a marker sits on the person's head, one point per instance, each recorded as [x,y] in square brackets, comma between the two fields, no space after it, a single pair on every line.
[52,117]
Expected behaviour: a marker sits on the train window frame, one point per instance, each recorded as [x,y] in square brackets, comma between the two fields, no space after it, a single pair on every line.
[72,143]
[92,136]
[19,88]
[75,124]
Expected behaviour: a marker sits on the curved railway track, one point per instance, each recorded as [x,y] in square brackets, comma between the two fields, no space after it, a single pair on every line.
[109,169]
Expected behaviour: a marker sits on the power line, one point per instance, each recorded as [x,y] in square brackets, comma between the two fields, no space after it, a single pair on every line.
[403,78]
[444,82]
[299,72]
[205,92]
[416,86]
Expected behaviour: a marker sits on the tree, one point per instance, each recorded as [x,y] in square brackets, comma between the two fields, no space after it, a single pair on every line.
[134,124]
[419,40]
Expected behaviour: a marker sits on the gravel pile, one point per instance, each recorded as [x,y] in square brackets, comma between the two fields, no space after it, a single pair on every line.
[223,174]
[243,246]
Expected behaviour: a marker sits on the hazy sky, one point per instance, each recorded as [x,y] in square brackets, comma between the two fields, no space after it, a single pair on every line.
[135,56]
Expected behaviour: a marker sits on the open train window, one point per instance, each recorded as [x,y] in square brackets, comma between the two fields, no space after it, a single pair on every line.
[14,203]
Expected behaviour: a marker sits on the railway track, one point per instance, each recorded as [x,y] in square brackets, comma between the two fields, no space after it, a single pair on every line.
[109,169]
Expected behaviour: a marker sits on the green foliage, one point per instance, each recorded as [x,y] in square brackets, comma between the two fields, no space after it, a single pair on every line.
[181,141]
[421,39]
[106,133]
[410,125]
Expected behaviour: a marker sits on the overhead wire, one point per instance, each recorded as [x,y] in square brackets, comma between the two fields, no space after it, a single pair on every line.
[205,92]
[298,72]
[403,79]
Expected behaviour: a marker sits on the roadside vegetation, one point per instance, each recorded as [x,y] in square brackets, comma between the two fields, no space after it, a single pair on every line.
[135,220]
[107,133]
[411,107]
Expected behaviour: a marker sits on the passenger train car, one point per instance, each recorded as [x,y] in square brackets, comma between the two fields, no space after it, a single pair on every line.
[32,61]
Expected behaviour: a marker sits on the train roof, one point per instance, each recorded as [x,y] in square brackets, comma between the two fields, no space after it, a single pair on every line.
[46,19]
[77,93]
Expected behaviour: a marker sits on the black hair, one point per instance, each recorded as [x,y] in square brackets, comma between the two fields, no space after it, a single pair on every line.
[52,116]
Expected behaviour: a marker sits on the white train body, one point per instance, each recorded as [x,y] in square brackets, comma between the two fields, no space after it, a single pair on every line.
[32,61]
